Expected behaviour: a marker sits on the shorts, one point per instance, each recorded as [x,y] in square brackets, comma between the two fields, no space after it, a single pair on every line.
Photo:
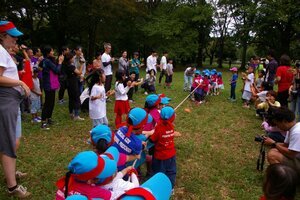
[102,120]
[19,125]
[35,105]
[247,95]
[293,163]
[221,86]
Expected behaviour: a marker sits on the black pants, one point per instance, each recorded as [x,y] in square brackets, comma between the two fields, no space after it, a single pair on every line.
[63,87]
[282,97]
[232,92]
[162,74]
[48,105]
[169,79]
[130,93]
[74,96]
[137,76]
[108,81]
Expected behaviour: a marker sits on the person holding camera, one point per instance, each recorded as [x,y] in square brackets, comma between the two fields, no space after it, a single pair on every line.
[287,153]
[78,62]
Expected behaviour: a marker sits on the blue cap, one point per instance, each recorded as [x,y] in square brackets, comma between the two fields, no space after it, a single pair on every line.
[101,132]
[137,115]
[197,72]
[207,74]
[219,73]
[165,100]
[166,113]
[111,160]
[152,100]
[159,185]
[77,197]
[9,28]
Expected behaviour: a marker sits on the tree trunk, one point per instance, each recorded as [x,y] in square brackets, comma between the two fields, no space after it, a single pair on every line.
[220,53]
[200,48]
[244,53]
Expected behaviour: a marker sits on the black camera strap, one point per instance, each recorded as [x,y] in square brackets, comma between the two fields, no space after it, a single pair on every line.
[261,158]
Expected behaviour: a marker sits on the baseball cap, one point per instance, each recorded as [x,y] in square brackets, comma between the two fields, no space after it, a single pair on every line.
[167,112]
[138,116]
[9,28]
[101,132]
[234,69]
[77,197]
[152,100]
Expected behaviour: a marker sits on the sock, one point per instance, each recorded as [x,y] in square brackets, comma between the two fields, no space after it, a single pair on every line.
[12,188]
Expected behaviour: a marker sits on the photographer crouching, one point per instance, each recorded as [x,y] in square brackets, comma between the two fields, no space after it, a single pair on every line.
[288,152]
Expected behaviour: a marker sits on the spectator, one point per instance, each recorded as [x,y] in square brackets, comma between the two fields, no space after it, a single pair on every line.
[135,64]
[79,59]
[107,66]
[280,183]
[151,63]
[11,89]
[284,79]
[62,77]
[124,63]
[287,153]
[163,66]
[270,70]
[50,84]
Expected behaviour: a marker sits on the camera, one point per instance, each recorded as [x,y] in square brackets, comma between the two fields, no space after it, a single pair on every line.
[259,138]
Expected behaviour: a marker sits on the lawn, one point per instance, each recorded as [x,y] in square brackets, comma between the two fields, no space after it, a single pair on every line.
[216,155]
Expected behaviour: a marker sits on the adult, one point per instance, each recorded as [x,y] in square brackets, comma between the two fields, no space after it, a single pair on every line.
[271,68]
[97,63]
[35,61]
[284,79]
[124,63]
[63,77]
[107,66]
[287,153]
[294,92]
[50,84]
[188,78]
[11,90]
[79,58]
[163,66]
[151,63]
[135,66]
[72,74]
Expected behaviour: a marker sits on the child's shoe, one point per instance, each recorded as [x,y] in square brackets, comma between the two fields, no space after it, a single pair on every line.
[146,93]
[20,174]
[44,126]
[20,192]
[35,121]
[77,118]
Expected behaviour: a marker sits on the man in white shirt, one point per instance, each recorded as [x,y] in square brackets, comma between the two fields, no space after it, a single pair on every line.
[107,66]
[163,66]
[151,63]
[287,153]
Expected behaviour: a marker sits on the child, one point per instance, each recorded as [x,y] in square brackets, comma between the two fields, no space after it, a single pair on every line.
[118,186]
[85,169]
[35,97]
[169,76]
[97,103]
[205,87]
[149,84]
[259,80]
[197,84]
[122,104]
[213,80]
[132,78]
[247,93]
[232,84]
[164,158]
[220,83]
[270,101]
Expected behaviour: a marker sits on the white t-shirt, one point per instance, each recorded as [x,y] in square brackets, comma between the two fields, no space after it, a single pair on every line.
[11,70]
[118,186]
[151,63]
[262,95]
[108,69]
[97,107]
[121,91]
[189,72]
[293,139]
[163,62]
[36,88]
[249,82]
[170,69]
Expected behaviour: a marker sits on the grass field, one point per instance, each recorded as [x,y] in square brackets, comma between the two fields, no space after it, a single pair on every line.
[216,156]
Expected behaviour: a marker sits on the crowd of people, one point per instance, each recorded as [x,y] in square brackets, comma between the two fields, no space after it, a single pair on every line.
[30,77]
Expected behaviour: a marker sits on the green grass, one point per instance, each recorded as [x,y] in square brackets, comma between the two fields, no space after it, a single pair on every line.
[216,156]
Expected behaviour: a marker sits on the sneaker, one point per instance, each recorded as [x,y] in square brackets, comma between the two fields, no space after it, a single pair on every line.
[20,192]
[50,121]
[146,93]
[233,100]
[131,101]
[77,118]
[45,127]
[35,121]
[39,118]
[20,174]
[72,116]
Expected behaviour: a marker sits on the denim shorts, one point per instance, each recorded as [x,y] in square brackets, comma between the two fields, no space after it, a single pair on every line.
[19,125]
[35,105]
[102,120]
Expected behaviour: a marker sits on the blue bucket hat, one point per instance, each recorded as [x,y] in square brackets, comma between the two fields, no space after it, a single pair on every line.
[101,132]
[9,28]
[158,186]
[197,72]
[167,113]
[152,100]
[77,197]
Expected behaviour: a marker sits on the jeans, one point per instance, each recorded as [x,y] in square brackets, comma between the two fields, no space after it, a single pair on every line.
[295,105]
[168,167]
[232,92]
[162,74]
[187,82]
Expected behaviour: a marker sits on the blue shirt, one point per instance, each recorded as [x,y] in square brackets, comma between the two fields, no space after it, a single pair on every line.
[234,79]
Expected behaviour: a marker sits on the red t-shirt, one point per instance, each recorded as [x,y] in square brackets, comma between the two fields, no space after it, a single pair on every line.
[163,138]
[286,75]
[205,84]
